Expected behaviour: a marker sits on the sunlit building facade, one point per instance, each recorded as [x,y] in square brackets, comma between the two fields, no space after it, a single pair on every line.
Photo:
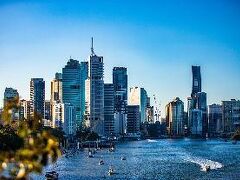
[64,117]
[24,109]
[56,88]
[175,117]
[138,96]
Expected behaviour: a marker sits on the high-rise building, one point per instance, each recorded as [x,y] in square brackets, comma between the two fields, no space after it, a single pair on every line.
[47,110]
[214,120]
[56,91]
[190,106]
[175,117]
[24,110]
[84,76]
[71,88]
[201,104]
[150,112]
[87,103]
[96,92]
[197,106]
[120,82]
[196,80]
[231,115]
[108,109]
[198,102]
[197,123]
[138,96]
[133,119]
[37,96]
[63,116]
[57,115]
[69,125]
[10,94]
[56,88]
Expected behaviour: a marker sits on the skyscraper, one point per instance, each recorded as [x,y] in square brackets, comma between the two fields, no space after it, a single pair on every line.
[197,106]
[47,110]
[214,120]
[24,112]
[138,96]
[63,115]
[201,104]
[96,92]
[196,80]
[197,123]
[133,119]
[10,94]
[150,112]
[37,96]
[83,78]
[108,109]
[175,117]
[231,115]
[71,91]
[120,82]
[56,88]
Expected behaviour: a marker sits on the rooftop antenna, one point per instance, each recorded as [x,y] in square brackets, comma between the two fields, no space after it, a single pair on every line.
[92,50]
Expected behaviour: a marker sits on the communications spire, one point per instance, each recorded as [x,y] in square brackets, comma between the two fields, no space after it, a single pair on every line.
[92,50]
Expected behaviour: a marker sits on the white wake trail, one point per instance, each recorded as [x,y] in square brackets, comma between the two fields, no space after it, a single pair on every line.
[204,162]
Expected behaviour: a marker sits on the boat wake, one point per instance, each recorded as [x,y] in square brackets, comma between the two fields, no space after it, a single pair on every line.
[151,140]
[204,162]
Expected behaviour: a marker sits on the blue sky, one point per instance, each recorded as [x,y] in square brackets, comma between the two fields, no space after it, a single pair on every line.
[157,41]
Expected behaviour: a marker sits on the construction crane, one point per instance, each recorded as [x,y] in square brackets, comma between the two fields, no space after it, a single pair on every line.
[157,111]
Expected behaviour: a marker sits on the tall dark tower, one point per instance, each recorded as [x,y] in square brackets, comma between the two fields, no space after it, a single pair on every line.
[37,96]
[120,82]
[196,80]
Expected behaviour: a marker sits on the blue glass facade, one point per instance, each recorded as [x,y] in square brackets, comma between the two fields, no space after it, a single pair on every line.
[71,87]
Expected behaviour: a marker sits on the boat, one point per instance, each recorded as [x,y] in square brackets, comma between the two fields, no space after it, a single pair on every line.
[101,162]
[206,168]
[112,149]
[123,158]
[90,155]
[51,175]
[110,171]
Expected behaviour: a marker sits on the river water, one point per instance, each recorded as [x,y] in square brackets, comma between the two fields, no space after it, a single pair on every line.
[155,159]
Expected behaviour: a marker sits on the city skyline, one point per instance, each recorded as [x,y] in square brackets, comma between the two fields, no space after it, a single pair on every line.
[165,54]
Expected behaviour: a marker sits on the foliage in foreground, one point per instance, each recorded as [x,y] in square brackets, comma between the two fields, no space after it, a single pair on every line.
[25,146]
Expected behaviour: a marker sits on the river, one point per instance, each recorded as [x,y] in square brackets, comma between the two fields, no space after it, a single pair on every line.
[155,159]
